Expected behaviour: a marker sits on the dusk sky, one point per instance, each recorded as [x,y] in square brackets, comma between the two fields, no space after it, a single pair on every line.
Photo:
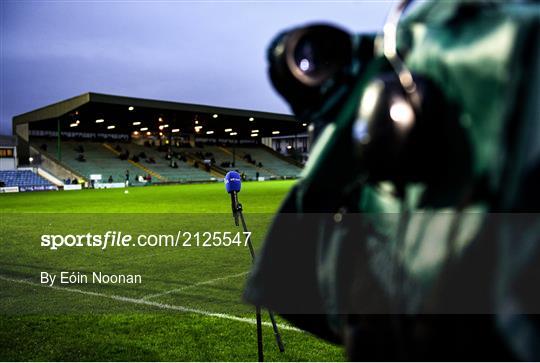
[206,52]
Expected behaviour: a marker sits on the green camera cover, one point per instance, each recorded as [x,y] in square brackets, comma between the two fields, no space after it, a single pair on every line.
[339,245]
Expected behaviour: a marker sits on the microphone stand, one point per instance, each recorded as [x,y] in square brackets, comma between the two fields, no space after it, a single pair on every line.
[237,213]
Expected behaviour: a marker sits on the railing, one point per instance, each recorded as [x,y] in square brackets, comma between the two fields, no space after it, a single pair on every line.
[53,163]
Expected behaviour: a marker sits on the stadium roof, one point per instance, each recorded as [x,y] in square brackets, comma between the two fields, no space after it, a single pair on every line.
[95,112]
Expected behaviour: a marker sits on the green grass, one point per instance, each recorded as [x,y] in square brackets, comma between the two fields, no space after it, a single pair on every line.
[100,322]
[193,198]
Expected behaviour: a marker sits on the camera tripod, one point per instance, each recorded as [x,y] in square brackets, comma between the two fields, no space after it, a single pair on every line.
[237,214]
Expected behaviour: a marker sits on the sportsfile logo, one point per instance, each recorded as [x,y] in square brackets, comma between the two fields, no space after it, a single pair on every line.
[121,239]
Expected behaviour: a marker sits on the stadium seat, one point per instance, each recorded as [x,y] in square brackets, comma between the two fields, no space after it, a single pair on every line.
[24,179]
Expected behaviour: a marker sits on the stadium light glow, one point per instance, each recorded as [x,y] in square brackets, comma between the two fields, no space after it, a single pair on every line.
[275,132]
[198,128]
[161,127]
[160,119]
[228,130]
[289,147]
[135,133]
[304,124]
[110,127]
[131,108]
[215,115]
[254,131]
[30,159]
[100,120]
[210,132]
[148,133]
[144,128]
[78,122]
[175,130]
[136,123]
[254,135]
[233,133]
[166,125]
[251,119]
[196,122]
[161,134]
[73,125]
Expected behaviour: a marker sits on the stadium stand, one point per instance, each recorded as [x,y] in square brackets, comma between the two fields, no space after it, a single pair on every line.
[272,166]
[104,159]
[99,160]
[184,172]
[113,158]
[25,180]
[270,162]
[107,135]
[223,155]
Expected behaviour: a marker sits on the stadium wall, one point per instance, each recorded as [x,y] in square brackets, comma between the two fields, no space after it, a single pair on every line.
[51,178]
[7,164]
[8,152]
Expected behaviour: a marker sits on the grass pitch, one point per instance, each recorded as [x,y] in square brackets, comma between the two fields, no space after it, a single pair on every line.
[188,307]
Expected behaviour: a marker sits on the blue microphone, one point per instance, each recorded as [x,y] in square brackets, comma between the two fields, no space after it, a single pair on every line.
[233,184]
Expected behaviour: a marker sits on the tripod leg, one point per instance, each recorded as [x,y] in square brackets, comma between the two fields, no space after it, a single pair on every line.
[276,332]
[259,335]
[274,325]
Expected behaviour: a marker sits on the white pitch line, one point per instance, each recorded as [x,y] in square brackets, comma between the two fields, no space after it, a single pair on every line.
[209,282]
[151,303]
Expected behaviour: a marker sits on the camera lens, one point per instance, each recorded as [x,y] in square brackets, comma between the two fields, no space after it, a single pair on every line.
[308,63]
[307,57]
[316,53]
